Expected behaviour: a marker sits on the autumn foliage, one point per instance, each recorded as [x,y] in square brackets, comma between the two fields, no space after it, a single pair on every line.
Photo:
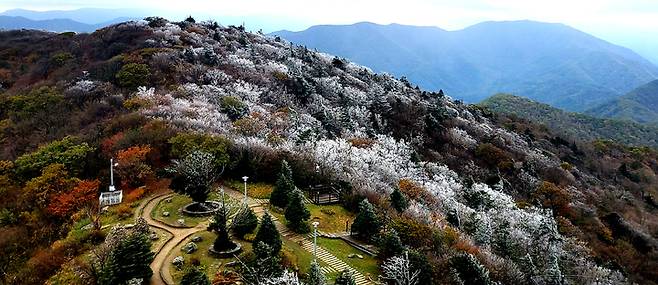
[65,204]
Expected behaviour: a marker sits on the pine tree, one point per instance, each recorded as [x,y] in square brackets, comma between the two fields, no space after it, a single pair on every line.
[194,276]
[265,265]
[268,234]
[366,224]
[296,213]
[315,275]
[399,200]
[245,222]
[129,260]
[346,277]
[391,244]
[284,186]
[419,261]
[469,269]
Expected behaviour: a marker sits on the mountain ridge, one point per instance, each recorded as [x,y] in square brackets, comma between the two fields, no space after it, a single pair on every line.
[639,105]
[521,57]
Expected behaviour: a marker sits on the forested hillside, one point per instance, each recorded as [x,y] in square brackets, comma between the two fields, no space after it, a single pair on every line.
[639,105]
[491,198]
[575,126]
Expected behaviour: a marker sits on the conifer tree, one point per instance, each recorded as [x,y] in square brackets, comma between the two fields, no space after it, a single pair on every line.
[296,213]
[245,222]
[223,241]
[399,200]
[284,186]
[315,275]
[391,244]
[131,259]
[194,276]
[268,234]
[366,224]
[469,269]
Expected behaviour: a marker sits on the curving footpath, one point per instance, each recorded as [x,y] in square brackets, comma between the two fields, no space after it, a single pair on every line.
[160,266]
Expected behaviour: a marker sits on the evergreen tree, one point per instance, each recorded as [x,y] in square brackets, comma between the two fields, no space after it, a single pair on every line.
[268,234]
[266,264]
[296,213]
[399,200]
[223,241]
[391,244]
[419,261]
[315,275]
[194,276]
[284,186]
[346,277]
[469,269]
[245,222]
[366,224]
[129,260]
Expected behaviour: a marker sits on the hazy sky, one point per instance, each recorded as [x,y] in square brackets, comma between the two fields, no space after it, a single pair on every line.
[628,22]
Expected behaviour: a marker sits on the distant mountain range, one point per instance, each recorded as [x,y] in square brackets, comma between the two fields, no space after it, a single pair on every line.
[574,125]
[550,63]
[640,105]
[80,20]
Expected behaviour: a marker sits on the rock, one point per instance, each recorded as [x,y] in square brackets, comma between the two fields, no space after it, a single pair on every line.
[359,256]
[351,255]
[190,247]
[168,200]
[165,214]
[197,239]
[154,237]
[181,222]
[178,261]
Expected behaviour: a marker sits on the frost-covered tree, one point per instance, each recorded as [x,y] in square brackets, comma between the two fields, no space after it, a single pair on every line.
[398,270]
[194,175]
[287,278]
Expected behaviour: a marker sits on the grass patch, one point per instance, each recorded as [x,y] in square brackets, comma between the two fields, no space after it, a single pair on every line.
[210,263]
[299,257]
[340,249]
[332,218]
[258,190]
[179,201]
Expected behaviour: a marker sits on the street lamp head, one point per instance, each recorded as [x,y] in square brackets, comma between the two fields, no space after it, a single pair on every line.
[245,178]
[315,224]
[116,164]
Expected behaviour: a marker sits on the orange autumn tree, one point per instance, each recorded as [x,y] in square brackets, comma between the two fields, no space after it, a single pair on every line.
[83,196]
[133,169]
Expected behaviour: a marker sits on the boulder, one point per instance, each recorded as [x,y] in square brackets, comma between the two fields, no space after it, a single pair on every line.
[351,255]
[168,200]
[154,236]
[359,256]
[190,247]
[181,222]
[165,214]
[178,262]
[197,239]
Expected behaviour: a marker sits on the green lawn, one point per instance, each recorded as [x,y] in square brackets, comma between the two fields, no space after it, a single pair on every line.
[340,249]
[209,262]
[179,201]
[332,218]
[258,190]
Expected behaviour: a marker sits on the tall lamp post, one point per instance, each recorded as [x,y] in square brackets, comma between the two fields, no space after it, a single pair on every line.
[315,240]
[112,165]
[245,188]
